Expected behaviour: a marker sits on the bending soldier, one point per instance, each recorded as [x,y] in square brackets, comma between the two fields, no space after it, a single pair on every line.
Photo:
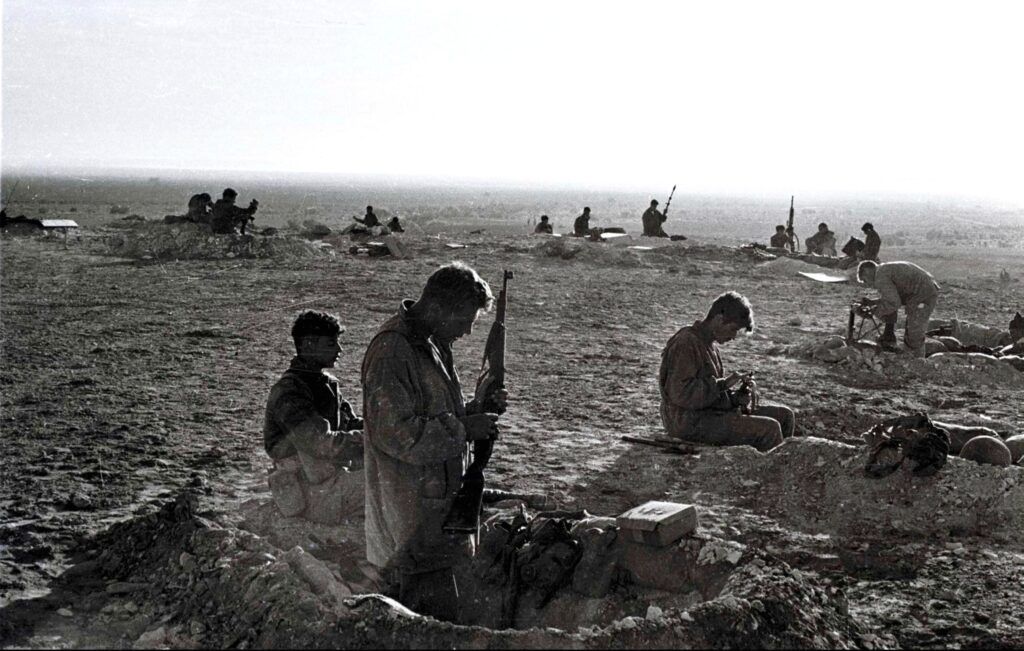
[311,433]
[698,404]
[226,216]
[652,221]
[418,427]
[199,206]
[900,283]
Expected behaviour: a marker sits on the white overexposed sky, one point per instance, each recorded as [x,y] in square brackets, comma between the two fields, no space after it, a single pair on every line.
[724,96]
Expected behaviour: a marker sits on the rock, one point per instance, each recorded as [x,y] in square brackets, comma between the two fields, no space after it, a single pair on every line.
[1016,446]
[154,639]
[655,614]
[65,612]
[988,450]
[316,574]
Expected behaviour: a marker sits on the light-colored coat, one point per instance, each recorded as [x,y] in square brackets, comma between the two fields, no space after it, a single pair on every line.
[416,450]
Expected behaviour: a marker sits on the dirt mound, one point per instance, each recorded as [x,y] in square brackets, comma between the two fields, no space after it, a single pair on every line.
[173,578]
[193,242]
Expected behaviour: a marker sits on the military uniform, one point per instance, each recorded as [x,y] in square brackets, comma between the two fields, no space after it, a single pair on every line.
[652,221]
[821,243]
[581,227]
[314,438]
[697,407]
[226,216]
[199,209]
[905,283]
[544,227]
[872,244]
[779,240]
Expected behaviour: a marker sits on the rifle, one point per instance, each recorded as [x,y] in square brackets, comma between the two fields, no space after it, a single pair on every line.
[668,203]
[794,243]
[464,516]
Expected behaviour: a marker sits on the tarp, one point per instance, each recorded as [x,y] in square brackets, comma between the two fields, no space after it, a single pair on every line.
[823,277]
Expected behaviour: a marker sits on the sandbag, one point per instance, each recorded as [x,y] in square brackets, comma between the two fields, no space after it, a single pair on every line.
[988,450]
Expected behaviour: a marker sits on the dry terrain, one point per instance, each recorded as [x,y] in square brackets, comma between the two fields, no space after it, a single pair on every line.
[126,380]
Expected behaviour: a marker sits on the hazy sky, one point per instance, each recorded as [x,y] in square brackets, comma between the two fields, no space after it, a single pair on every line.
[716,96]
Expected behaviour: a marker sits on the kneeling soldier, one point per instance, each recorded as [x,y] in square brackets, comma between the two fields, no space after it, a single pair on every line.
[311,433]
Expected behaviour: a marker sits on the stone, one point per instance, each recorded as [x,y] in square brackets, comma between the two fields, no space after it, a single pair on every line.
[1016,446]
[152,639]
[987,450]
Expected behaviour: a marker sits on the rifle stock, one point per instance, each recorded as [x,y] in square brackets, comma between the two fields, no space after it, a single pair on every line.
[464,515]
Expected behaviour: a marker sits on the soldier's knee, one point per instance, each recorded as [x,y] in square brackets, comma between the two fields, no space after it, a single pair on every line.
[770,437]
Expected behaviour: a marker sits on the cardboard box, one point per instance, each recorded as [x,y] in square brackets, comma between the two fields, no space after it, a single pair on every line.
[658,523]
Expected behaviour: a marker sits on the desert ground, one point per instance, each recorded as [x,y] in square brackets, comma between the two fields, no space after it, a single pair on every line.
[127,380]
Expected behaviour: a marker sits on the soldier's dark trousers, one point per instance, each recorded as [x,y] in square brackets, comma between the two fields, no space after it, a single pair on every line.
[763,429]
[431,593]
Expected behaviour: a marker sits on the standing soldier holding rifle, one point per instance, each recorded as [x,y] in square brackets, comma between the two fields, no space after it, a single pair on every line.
[417,430]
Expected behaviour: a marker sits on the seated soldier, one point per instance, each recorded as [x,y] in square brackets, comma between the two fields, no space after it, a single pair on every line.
[199,206]
[312,434]
[544,226]
[780,239]
[581,226]
[227,217]
[395,225]
[370,220]
[823,242]
[698,404]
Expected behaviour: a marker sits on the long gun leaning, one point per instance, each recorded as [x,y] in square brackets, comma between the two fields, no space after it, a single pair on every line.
[669,202]
[794,244]
[464,516]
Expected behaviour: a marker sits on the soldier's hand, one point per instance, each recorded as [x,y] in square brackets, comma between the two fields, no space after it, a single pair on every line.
[499,401]
[480,427]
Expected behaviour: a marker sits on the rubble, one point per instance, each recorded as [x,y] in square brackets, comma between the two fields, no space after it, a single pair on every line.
[206,585]
[186,241]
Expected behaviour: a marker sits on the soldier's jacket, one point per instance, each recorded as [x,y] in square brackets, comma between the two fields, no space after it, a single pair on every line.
[872,243]
[226,215]
[198,208]
[652,220]
[416,450]
[902,283]
[581,226]
[779,240]
[307,417]
[821,243]
[690,379]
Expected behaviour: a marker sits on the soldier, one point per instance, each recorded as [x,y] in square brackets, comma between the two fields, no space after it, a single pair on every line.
[395,226]
[872,243]
[698,404]
[652,221]
[226,216]
[370,220]
[199,206]
[900,283]
[544,226]
[418,427]
[311,432]
[823,242]
[581,227]
[781,239]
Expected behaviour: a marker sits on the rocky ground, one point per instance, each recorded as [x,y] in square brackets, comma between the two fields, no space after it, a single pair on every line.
[128,379]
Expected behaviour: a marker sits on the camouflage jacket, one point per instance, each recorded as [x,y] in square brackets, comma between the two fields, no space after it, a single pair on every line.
[690,379]
[416,450]
[307,416]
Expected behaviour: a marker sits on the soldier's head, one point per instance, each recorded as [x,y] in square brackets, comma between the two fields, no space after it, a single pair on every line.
[206,196]
[316,337]
[779,228]
[369,210]
[229,195]
[654,203]
[822,227]
[452,300]
[867,227]
[544,218]
[729,314]
[586,210]
[866,272]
